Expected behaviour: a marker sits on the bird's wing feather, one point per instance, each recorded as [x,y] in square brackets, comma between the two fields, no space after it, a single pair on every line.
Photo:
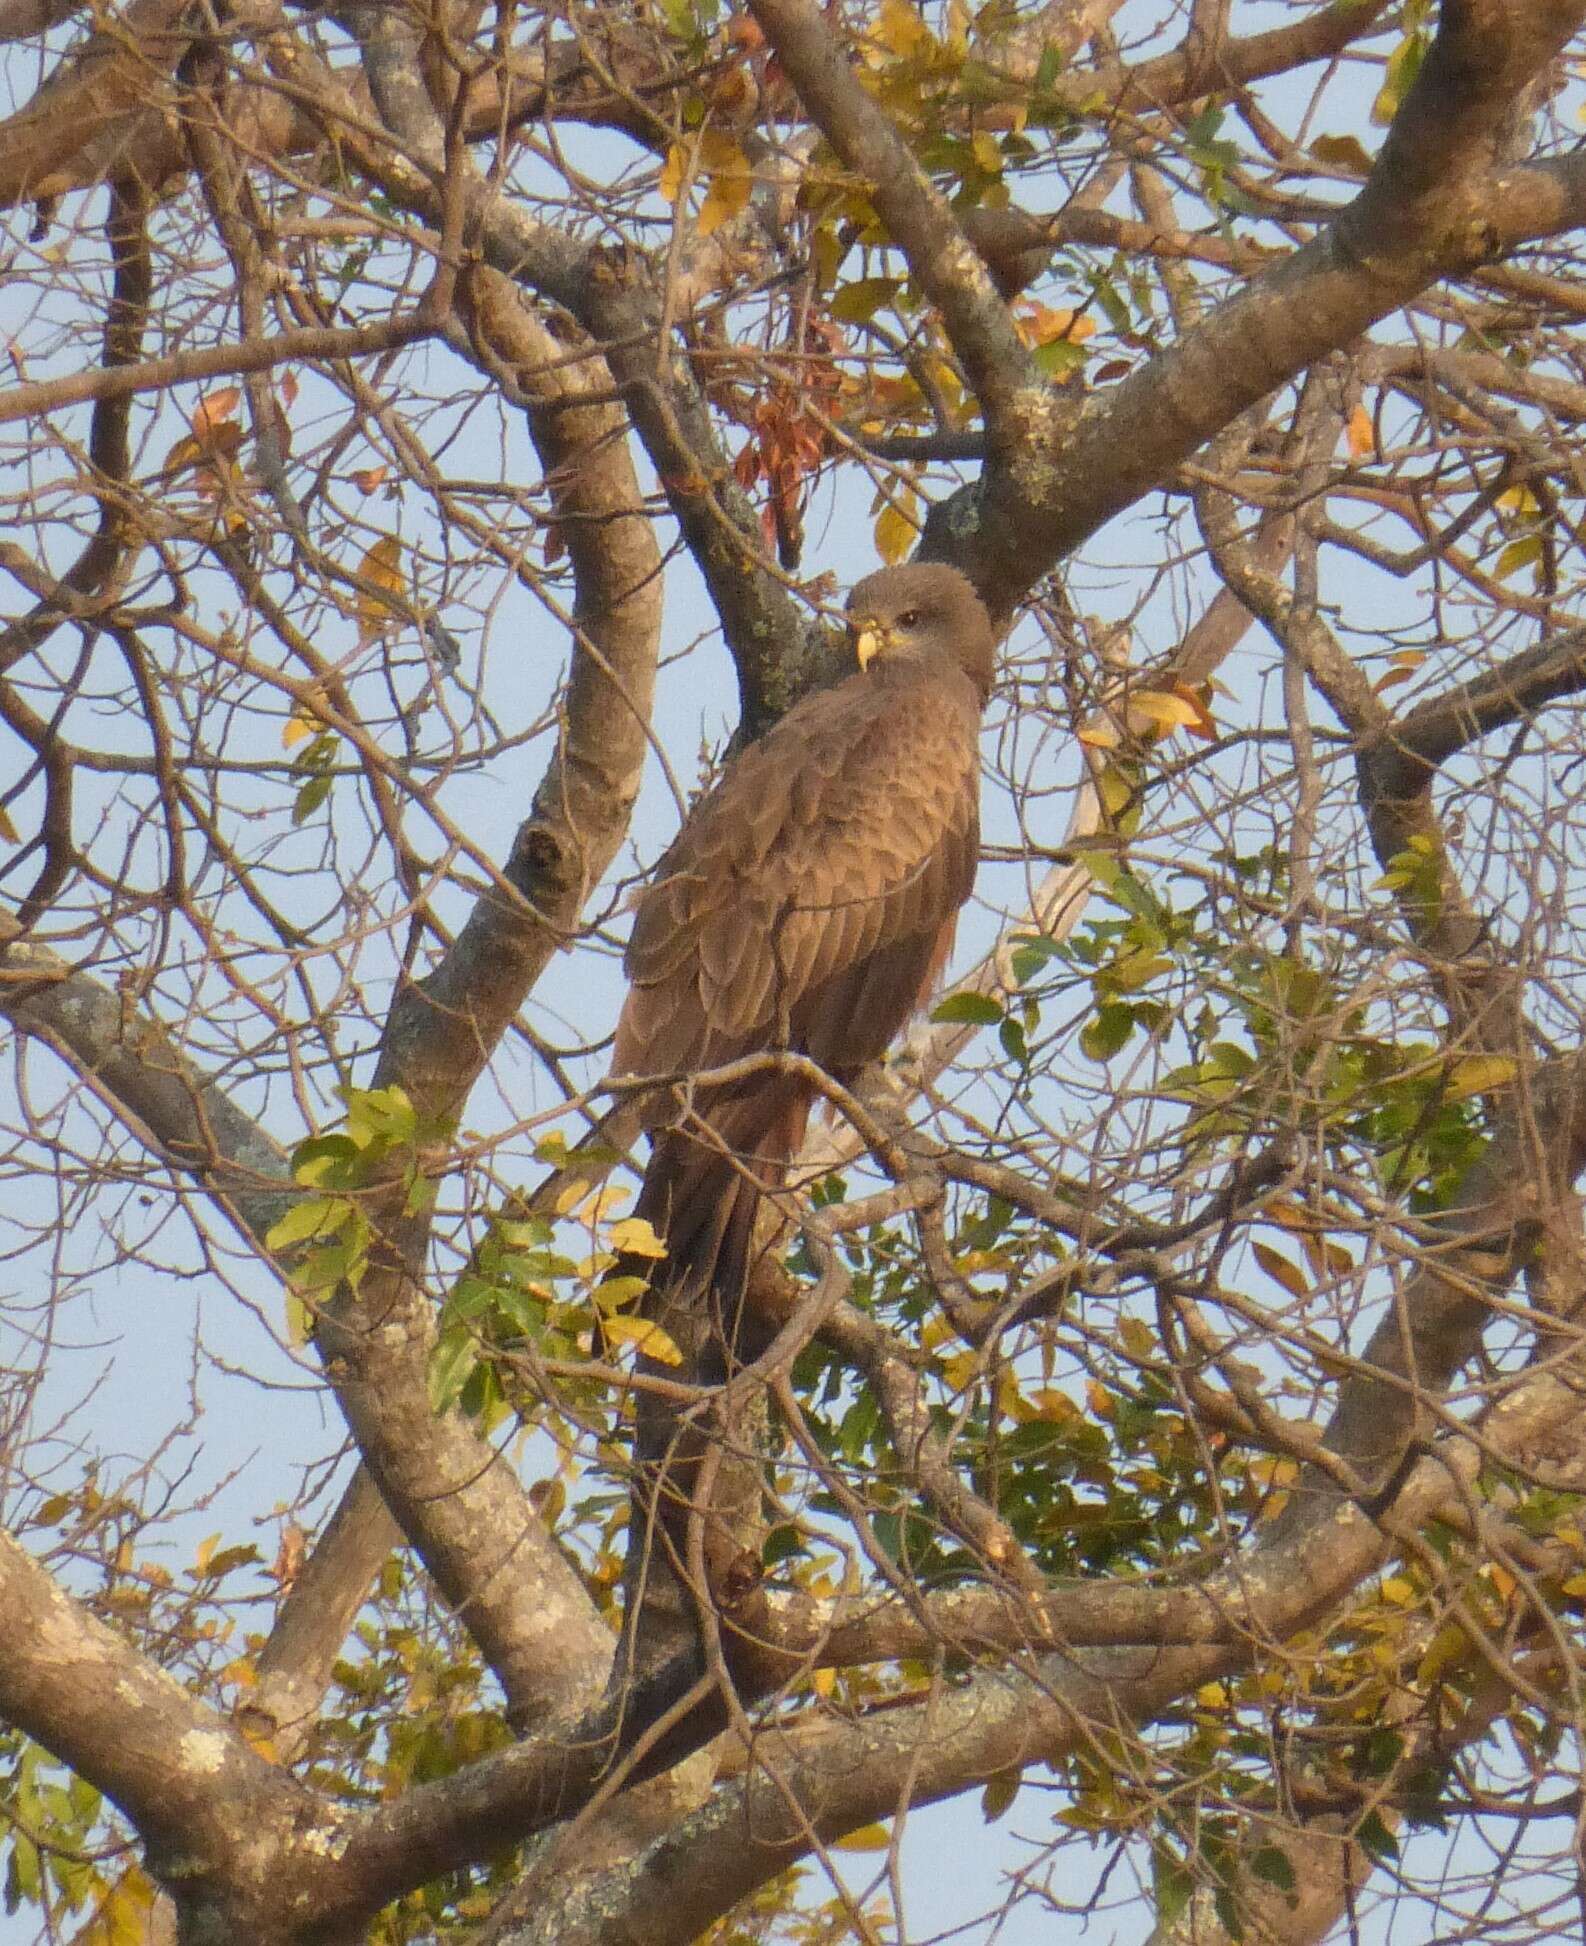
[848,832]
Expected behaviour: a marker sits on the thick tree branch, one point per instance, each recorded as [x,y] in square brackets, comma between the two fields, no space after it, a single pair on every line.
[187,1780]
[1434,203]
[951,271]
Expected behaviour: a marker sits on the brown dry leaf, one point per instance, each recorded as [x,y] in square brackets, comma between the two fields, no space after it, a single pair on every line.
[1342,152]
[370,478]
[213,410]
[1280,1270]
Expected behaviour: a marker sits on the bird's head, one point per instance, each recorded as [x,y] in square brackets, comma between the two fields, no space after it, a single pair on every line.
[923,611]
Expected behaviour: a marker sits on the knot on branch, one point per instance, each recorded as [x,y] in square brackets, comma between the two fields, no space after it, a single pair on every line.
[541,864]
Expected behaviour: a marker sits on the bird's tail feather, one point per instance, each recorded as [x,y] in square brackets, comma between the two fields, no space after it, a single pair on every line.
[701,1195]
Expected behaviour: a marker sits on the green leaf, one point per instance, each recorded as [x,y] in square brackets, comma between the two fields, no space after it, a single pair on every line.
[781,1544]
[1135,970]
[310,798]
[1479,1074]
[1107,1031]
[451,1366]
[1060,357]
[1229,1916]
[323,1157]
[1376,1840]
[1404,64]
[313,1216]
[611,1293]
[1173,1884]
[1525,552]
[858,302]
[997,1798]
[1273,1867]
[380,1115]
[1031,952]
[974,1009]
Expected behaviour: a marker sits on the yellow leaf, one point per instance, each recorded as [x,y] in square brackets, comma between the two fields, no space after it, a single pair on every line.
[381,567]
[1362,434]
[1212,1695]
[1055,1407]
[1040,324]
[900,30]
[259,1742]
[298,729]
[635,1236]
[895,533]
[959,1371]
[122,1917]
[824,1681]
[1399,1591]
[1446,1648]
[674,171]
[988,154]
[1165,708]
[1479,1074]
[1524,552]
[1502,1580]
[604,1201]
[8,830]
[1100,736]
[1576,1585]
[1137,1338]
[731,182]
[646,1337]
[185,453]
[938,1330]
[869,1837]
[1279,1269]
[613,1292]
[1098,1398]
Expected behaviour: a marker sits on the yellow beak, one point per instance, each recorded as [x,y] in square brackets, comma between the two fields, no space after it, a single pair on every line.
[867,646]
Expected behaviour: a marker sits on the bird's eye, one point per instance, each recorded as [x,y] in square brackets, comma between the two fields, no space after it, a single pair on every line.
[910,618]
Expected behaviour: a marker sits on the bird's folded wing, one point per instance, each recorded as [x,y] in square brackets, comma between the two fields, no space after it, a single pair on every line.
[805,900]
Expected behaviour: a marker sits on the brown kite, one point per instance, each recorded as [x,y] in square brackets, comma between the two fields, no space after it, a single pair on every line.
[807,905]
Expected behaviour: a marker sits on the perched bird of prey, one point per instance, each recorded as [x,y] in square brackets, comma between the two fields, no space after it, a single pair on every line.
[807,905]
